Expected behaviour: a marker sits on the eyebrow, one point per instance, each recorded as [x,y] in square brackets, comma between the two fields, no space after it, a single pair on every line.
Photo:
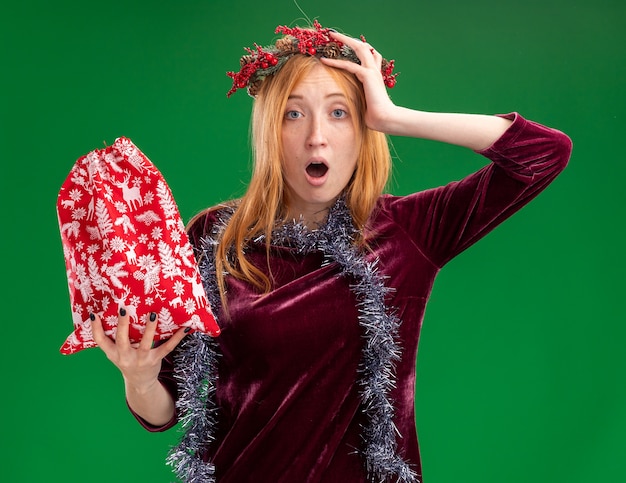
[332,94]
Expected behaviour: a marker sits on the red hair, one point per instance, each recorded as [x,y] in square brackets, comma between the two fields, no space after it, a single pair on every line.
[264,203]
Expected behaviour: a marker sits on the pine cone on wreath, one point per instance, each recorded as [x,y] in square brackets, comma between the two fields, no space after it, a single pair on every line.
[287,45]
[331,50]
[253,88]
[246,59]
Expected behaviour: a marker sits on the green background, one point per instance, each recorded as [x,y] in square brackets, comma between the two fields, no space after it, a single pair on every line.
[521,368]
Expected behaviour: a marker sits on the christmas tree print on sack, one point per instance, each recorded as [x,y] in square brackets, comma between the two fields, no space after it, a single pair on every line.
[125,245]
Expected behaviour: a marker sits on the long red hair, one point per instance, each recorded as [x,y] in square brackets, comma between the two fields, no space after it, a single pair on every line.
[263,206]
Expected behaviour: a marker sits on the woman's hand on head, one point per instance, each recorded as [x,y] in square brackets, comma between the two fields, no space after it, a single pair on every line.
[380,108]
[139,363]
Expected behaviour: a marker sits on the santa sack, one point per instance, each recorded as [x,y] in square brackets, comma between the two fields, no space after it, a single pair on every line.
[125,245]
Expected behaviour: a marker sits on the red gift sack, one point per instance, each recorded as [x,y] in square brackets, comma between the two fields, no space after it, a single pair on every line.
[125,245]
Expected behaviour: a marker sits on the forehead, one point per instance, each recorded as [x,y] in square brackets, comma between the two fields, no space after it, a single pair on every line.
[319,81]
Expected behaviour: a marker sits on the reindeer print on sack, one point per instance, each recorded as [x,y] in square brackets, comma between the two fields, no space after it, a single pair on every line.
[125,246]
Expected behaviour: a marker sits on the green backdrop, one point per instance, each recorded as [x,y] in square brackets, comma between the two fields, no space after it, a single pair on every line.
[521,368]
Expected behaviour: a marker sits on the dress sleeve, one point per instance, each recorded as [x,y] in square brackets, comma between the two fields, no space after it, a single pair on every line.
[445,221]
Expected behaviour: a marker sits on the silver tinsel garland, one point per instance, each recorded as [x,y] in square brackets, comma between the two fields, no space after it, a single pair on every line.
[196,361]
[195,370]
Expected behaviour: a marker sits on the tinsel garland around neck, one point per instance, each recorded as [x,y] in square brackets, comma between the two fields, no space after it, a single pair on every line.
[197,359]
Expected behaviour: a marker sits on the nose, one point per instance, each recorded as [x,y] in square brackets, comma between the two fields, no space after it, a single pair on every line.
[317,133]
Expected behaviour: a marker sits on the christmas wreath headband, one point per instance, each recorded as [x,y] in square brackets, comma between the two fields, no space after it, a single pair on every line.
[261,62]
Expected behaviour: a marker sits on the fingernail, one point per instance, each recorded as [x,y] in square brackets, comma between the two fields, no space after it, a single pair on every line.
[92,317]
[187,330]
[122,311]
[152,316]
[332,30]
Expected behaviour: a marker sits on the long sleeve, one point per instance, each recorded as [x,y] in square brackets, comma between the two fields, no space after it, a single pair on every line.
[445,221]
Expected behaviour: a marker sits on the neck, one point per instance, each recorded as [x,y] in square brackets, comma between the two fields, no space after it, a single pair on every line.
[311,220]
[312,216]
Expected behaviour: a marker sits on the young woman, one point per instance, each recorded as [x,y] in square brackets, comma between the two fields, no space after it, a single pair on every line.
[320,281]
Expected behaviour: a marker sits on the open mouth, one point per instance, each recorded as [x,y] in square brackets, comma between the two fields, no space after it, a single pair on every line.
[316,170]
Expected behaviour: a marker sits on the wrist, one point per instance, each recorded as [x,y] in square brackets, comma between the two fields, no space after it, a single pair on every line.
[141,388]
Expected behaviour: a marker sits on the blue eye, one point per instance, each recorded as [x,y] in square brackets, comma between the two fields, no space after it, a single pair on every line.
[292,115]
[339,113]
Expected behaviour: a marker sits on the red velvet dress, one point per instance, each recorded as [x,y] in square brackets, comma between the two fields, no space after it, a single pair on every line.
[288,398]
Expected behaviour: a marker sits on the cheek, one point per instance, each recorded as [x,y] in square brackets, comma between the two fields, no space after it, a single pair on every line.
[352,154]
[290,142]
[288,166]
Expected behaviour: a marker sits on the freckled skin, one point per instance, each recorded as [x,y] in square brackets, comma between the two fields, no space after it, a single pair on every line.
[317,126]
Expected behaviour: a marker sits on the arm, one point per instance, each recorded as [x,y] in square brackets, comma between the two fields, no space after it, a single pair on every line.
[444,221]
[140,366]
[474,131]
[525,156]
